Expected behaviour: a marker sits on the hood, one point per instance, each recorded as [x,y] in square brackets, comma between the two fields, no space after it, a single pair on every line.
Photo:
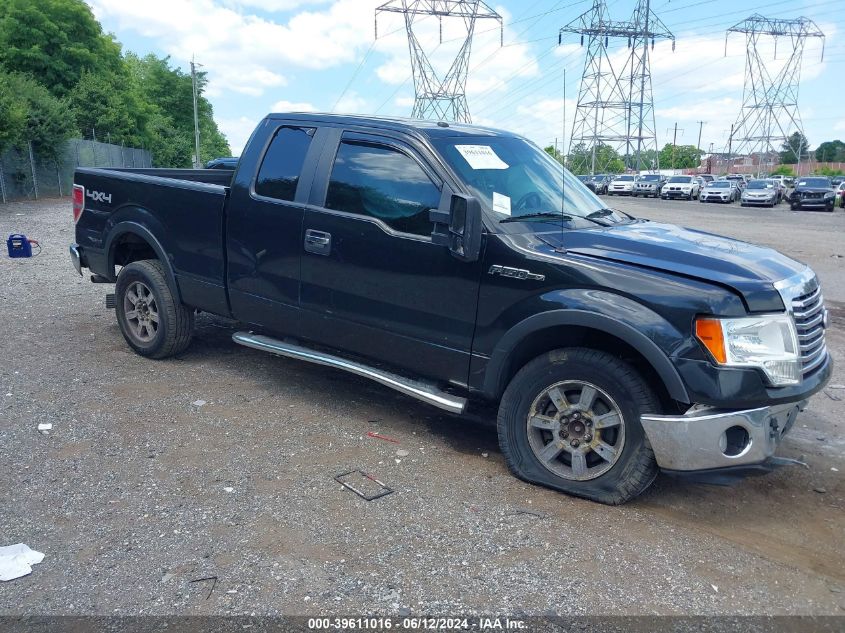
[814,190]
[748,269]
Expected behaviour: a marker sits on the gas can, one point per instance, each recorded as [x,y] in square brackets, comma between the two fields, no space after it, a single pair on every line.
[19,245]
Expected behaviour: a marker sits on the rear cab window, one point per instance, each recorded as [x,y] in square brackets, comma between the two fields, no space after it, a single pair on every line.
[282,164]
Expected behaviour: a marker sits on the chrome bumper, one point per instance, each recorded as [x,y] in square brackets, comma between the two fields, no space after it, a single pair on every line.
[75,258]
[705,438]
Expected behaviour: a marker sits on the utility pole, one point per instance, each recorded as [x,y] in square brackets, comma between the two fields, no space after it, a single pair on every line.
[700,129]
[197,161]
[674,144]
[710,159]
[730,146]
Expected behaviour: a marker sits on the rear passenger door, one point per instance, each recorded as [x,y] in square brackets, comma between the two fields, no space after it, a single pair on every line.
[264,229]
[373,283]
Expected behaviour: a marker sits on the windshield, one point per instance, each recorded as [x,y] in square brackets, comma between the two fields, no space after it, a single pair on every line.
[650,177]
[719,184]
[624,178]
[759,184]
[685,179]
[514,178]
[814,182]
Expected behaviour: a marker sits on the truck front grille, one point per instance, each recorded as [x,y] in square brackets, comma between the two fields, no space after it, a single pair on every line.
[808,312]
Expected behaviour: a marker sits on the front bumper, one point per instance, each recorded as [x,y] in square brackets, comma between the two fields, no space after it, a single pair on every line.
[705,438]
[813,203]
[677,193]
[760,201]
[715,197]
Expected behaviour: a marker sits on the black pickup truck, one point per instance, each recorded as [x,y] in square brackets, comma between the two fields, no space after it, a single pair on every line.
[462,264]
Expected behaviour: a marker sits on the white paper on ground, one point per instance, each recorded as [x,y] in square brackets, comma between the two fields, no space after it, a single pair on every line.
[501,203]
[17,561]
[481,157]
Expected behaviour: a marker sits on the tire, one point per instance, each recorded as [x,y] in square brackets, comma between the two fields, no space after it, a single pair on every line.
[171,334]
[793,206]
[605,475]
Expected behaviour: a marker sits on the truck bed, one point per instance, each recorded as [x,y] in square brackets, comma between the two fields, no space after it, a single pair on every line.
[183,208]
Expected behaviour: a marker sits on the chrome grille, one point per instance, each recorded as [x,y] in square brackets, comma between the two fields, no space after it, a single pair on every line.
[808,312]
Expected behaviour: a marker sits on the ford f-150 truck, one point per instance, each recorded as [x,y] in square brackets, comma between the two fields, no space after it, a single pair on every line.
[462,264]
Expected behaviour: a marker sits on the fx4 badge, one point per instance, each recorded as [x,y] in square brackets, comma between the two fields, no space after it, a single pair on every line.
[516,273]
[99,196]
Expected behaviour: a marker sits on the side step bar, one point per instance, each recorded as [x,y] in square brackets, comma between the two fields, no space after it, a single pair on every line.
[420,390]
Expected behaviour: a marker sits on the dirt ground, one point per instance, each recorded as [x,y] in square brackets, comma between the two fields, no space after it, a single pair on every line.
[146,500]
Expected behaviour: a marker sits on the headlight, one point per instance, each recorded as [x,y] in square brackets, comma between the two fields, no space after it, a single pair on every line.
[768,342]
[829,194]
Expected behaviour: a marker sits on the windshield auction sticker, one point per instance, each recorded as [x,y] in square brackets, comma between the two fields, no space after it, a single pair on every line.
[481,157]
[501,203]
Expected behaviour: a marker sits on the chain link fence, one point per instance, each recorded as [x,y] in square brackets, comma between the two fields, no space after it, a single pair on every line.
[26,176]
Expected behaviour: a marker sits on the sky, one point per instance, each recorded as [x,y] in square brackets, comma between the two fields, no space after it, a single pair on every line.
[320,55]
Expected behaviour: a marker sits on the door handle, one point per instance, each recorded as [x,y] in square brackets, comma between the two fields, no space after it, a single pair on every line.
[318,242]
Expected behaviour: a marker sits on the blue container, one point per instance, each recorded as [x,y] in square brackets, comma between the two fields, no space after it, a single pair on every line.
[19,246]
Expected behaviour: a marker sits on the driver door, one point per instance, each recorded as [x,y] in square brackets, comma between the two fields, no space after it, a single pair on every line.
[376,285]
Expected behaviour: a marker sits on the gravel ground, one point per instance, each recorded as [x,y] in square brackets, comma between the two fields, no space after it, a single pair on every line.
[139,490]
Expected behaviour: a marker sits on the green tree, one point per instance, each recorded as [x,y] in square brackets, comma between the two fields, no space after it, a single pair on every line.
[783,170]
[580,159]
[827,171]
[831,152]
[554,153]
[171,137]
[109,109]
[683,157]
[37,116]
[55,41]
[794,149]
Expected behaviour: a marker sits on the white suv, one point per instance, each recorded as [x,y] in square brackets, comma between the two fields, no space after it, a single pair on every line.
[622,185]
[681,187]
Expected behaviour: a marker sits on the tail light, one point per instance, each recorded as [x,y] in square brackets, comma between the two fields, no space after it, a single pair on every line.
[78,202]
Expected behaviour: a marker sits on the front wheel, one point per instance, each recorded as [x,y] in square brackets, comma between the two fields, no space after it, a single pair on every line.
[570,420]
[151,320]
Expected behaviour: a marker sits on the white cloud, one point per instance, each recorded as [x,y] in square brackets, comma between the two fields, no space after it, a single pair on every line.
[237,132]
[243,52]
[292,106]
[352,103]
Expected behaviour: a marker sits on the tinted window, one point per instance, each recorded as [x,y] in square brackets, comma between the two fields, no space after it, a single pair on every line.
[282,164]
[382,183]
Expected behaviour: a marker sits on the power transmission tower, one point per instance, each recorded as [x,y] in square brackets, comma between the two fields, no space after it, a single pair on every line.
[435,98]
[615,105]
[770,103]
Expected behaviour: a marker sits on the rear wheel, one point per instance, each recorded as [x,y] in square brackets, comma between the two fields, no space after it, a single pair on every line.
[151,320]
[570,420]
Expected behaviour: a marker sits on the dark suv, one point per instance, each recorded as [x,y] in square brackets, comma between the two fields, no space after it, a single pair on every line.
[814,192]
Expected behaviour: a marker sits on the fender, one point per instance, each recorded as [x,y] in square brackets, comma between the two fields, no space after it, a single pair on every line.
[133,227]
[494,377]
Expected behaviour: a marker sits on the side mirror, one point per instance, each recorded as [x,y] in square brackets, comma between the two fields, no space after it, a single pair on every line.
[457,225]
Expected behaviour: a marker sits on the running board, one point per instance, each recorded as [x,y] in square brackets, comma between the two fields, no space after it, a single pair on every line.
[420,390]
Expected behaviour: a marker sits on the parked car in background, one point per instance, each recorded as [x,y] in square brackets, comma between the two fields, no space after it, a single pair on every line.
[649,185]
[814,192]
[719,191]
[622,185]
[227,162]
[837,180]
[737,179]
[840,195]
[706,178]
[681,187]
[588,182]
[781,189]
[602,182]
[760,193]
